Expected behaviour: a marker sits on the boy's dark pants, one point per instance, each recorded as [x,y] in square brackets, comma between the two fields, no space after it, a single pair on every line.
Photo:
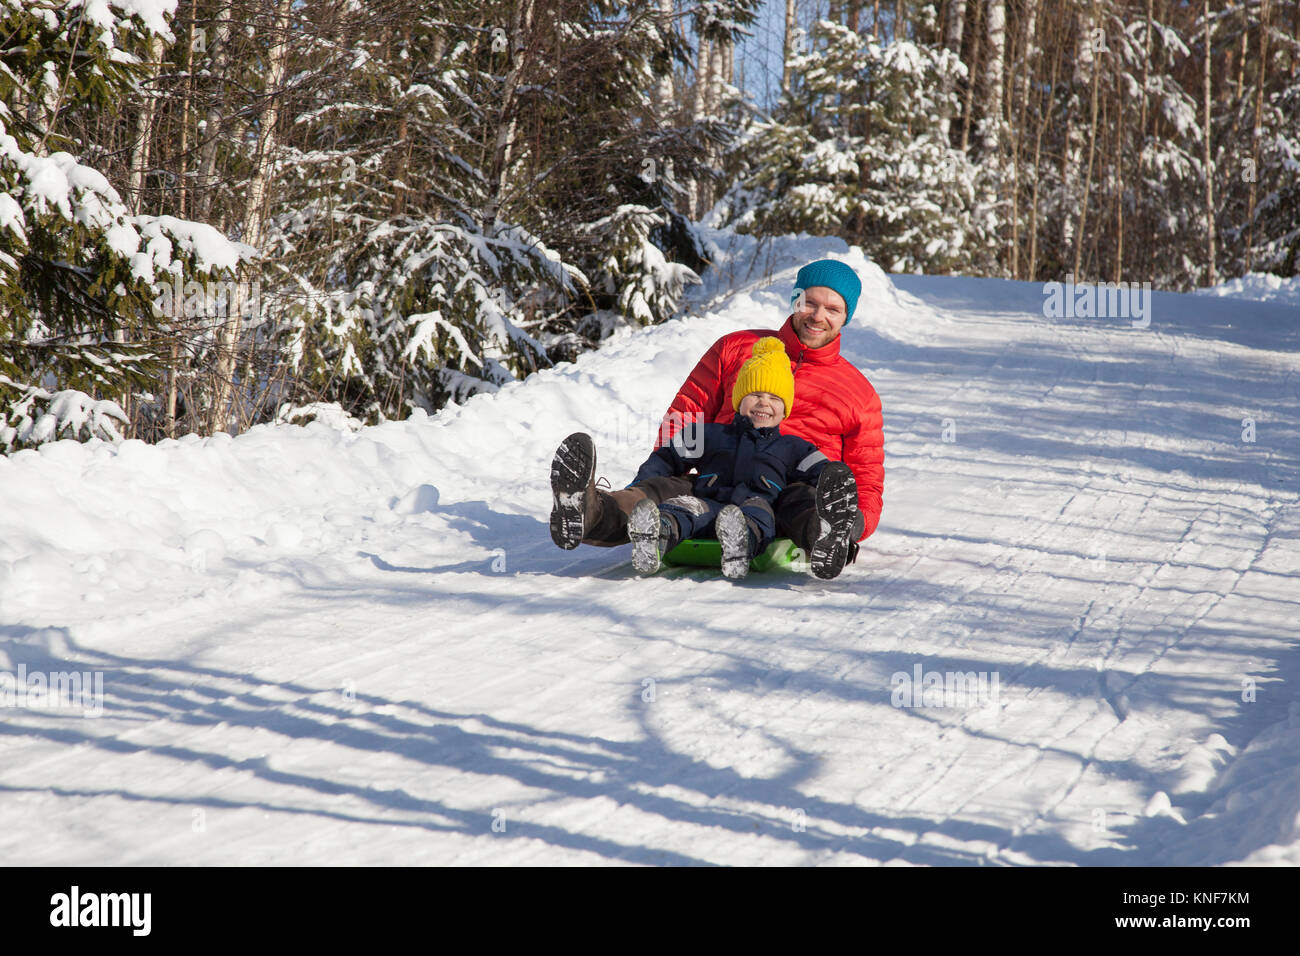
[606,512]
[696,517]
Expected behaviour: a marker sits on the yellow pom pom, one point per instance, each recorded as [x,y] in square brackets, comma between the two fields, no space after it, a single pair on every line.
[768,344]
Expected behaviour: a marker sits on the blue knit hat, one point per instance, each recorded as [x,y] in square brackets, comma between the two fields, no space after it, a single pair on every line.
[832,274]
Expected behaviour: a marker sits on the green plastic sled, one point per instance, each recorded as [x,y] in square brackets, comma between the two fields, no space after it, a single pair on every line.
[707,553]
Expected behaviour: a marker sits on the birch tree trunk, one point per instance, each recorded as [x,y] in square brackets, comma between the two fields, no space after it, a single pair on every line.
[990,134]
[183,155]
[1139,180]
[521,23]
[973,67]
[1027,57]
[254,212]
[700,109]
[1256,133]
[956,28]
[717,64]
[1085,196]
[1120,139]
[787,49]
[724,75]
[1072,157]
[1209,160]
[218,50]
[185,203]
[1241,67]
[700,99]
[144,126]
[663,97]
[1045,118]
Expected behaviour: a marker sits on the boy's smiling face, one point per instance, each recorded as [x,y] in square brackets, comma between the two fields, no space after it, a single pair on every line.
[763,409]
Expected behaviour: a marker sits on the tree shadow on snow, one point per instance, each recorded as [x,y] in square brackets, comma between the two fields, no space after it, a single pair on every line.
[650,779]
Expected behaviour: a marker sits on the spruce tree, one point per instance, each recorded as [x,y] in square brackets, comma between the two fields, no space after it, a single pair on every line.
[79,274]
[856,149]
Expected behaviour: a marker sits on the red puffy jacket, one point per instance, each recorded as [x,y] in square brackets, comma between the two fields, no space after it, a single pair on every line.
[835,406]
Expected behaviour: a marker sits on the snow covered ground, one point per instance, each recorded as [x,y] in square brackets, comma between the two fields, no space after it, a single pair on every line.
[320,646]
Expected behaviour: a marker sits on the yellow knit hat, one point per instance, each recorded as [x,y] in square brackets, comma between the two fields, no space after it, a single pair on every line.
[768,371]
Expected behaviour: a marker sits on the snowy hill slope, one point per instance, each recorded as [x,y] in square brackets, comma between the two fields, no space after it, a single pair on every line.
[319,646]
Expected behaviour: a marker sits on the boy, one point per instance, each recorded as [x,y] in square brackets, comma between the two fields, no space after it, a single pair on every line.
[742,467]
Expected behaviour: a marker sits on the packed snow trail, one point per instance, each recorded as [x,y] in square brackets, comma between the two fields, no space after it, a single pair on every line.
[325,646]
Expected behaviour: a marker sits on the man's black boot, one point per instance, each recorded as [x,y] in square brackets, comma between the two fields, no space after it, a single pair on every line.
[837,510]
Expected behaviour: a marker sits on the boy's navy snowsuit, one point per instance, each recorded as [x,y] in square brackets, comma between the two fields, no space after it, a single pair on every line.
[738,464]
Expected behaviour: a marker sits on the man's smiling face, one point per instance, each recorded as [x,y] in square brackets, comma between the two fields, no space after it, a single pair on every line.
[818,317]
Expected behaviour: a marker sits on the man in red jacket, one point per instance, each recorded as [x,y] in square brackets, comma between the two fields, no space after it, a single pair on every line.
[836,409]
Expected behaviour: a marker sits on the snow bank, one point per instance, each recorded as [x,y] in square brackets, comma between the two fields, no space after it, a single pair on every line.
[1260,796]
[1259,287]
[756,276]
